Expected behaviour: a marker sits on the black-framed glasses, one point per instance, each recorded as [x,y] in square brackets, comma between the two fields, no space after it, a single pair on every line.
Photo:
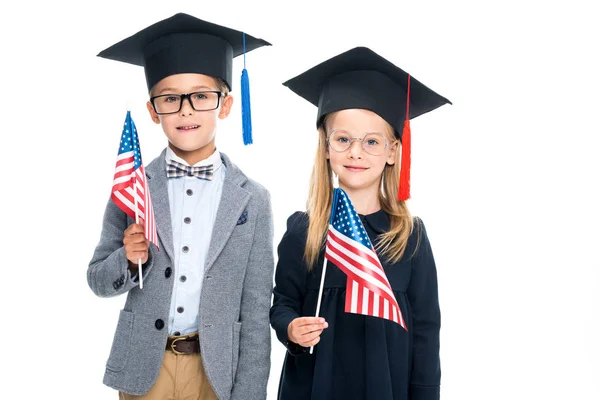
[374,143]
[200,101]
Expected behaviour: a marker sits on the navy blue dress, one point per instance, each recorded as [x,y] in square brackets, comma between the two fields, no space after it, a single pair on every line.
[359,357]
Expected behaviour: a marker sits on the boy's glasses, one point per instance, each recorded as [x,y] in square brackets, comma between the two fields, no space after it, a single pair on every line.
[172,103]
[374,143]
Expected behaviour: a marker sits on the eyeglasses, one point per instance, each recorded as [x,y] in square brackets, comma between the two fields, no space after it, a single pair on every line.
[172,103]
[374,143]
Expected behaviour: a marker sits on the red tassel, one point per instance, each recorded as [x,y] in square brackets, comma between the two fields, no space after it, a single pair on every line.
[404,185]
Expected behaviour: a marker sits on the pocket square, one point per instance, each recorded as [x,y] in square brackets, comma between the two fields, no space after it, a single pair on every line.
[243,218]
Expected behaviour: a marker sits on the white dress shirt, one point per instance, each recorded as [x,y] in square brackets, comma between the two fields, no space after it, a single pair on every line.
[194,203]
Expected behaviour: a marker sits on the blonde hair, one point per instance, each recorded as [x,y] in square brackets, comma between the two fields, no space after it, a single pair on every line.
[392,243]
[222,86]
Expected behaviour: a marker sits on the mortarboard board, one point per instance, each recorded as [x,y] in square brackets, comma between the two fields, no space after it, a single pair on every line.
[186,44]
[362,79]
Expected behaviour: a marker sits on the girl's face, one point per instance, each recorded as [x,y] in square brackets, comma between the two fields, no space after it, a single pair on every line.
[357,168]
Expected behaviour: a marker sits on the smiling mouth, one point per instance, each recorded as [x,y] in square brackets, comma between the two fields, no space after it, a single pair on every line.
[187,128]
[354,168]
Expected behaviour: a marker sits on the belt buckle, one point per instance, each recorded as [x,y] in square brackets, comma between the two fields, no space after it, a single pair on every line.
[173,345]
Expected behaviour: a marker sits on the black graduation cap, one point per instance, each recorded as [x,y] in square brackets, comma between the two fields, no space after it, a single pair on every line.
[360,78]
[183,44]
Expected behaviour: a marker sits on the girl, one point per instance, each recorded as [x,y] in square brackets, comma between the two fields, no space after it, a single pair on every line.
[362,123]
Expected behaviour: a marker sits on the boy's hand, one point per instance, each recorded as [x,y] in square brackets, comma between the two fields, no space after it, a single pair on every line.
[306,331]
[136,245]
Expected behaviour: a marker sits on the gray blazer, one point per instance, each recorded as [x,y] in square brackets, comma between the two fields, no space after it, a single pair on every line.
[234,304]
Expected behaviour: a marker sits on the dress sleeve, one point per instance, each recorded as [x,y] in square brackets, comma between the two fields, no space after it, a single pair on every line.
[423,297]
[291,280]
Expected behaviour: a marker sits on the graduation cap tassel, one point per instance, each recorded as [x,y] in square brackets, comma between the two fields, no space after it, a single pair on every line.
[404,184]
[246,114]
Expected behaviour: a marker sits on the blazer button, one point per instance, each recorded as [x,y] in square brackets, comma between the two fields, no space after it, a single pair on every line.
[189,192]
[168,272]
[187,220]
[185,249]
[159,324]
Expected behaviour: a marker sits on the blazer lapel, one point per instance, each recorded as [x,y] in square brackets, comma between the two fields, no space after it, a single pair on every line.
[159,192]
[234,199]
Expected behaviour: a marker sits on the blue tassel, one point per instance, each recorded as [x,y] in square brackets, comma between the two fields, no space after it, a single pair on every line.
[246,114]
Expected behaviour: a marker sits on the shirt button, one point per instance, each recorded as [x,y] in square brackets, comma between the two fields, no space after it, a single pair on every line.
[182,278]
[168,272]
[187,220]
[189,192]
[185,249]
[179,310]
[159,324]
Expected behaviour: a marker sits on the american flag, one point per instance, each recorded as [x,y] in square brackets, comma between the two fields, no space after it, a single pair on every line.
[129,173]
[368,291]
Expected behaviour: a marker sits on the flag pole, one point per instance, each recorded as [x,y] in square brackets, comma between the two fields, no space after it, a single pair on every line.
[333,202]
[137,221]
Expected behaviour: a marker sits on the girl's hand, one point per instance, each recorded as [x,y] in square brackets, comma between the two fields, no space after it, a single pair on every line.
[306,331]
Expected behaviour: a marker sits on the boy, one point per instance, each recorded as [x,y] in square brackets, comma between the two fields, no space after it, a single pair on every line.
[199,328]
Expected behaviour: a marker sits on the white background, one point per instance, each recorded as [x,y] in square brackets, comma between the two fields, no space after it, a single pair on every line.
[506,179]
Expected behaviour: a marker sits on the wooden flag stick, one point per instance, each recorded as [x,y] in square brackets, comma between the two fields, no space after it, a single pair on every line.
[333,201]
[137,219]
[320,295]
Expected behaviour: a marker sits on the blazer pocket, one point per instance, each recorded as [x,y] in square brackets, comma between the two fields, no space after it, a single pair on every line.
[119,352]
[235,347]
[244,226]
[242,230]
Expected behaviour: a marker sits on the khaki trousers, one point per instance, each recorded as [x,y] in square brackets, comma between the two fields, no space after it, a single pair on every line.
[181,377]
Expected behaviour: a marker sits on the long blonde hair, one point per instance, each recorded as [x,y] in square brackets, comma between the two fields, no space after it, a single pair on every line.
[392,243]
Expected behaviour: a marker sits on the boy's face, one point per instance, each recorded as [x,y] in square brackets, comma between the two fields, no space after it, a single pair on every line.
[191,133]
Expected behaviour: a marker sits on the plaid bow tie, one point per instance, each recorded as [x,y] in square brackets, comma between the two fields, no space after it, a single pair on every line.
[177,170]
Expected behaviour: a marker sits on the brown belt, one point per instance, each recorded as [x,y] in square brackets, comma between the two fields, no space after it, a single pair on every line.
[187,344]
